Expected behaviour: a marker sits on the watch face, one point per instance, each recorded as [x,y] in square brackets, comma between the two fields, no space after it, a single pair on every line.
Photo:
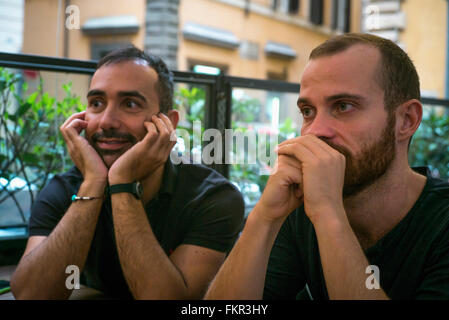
[139,190]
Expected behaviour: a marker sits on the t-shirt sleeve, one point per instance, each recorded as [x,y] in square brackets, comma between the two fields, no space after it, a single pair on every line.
[49,207]
[217,219]
[435,284]
[285,276]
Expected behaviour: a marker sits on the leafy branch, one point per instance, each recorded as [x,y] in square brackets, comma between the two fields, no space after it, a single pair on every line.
[31,147]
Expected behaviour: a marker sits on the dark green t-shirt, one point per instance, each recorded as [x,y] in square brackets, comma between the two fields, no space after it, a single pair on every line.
[195,205]
[413,258]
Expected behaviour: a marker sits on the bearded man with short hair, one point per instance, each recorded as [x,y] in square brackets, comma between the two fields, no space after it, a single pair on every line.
[344,202]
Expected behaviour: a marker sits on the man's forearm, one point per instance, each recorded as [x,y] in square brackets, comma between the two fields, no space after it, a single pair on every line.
[149,272]
[41,273]
[344,262]
[242,275]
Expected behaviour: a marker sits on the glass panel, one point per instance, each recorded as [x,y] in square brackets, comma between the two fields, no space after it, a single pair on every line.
[430,144]
[260,121]
[33,105]
[190,101]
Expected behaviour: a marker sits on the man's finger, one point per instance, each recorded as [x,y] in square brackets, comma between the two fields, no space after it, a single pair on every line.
[164,134]
[298,150]
[77,124]
[167,121]
[160,125]
[316,145]
[79,115]
[290,161]
[151,127]
[152,133]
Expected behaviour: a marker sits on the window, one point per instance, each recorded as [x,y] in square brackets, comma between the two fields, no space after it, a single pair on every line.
[316,12]
[293,6]
[341,12]
[207,68]
[199,68]
[286,6]
[99,50]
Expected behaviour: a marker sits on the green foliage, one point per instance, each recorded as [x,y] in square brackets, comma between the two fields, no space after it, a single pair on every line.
[245,109]
[190,102]
[430,144]
[31,146]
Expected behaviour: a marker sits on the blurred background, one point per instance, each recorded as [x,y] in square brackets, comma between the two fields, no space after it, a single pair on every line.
[237,65]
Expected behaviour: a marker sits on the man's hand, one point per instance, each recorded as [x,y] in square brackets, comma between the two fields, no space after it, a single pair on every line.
[147,155]
[84,156]
[323,172]
[283,192]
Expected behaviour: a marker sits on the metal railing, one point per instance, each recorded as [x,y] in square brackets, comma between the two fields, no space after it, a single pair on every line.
[218,88]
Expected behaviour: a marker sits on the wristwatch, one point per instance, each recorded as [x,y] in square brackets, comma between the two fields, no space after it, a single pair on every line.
[135,188]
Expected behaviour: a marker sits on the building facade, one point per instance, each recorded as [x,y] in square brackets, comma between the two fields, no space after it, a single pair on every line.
[265,39]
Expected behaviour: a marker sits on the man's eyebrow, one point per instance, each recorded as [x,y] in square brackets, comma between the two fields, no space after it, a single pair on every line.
[333,98]
[302,101]
[345,96]
[96,92]
[135,94]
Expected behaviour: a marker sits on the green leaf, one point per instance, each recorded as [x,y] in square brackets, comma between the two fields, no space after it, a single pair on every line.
[30,159]
[32,98]
[3,84]
[23,108]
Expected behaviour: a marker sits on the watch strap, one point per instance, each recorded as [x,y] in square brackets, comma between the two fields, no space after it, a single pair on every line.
[126,187]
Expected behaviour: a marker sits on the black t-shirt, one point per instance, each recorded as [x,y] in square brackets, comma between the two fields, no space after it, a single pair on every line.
[413,258]
[195,205]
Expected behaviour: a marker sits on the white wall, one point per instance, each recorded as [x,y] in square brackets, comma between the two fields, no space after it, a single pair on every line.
[11,25]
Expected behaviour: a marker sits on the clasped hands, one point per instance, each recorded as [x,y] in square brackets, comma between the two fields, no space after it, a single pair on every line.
[307,171]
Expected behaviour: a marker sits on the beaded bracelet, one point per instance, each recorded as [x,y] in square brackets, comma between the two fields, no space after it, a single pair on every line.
[76,198]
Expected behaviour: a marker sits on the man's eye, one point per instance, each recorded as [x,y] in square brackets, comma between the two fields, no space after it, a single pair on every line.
[131,104]
[306,112]
[344,107]
[95,103]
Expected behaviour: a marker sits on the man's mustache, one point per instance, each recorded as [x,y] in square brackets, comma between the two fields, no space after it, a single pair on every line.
[109,134]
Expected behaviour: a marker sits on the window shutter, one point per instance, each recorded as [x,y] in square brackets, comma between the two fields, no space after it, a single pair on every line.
[347,22]
[334,16]
[316,11]
[293,6]
[341,15]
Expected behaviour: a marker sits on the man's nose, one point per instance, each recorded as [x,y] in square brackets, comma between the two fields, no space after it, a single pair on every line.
[321,126]
[109,119]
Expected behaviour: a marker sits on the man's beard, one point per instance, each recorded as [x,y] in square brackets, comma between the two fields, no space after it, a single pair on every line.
[111,134]
[371,163]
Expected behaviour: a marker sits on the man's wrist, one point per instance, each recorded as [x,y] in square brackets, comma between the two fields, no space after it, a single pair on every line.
[260,215]
[91,188]
[116,179]
[332,218]
[95,182]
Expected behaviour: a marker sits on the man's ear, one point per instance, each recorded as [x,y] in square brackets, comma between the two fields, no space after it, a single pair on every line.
[173,115]
[408,119]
